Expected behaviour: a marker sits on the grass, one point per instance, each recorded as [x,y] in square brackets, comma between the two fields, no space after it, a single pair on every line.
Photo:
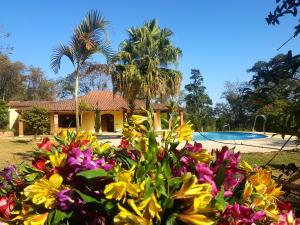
[285,157]
[15,151]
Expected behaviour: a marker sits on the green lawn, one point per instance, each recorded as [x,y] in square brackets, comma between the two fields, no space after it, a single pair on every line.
[18,150]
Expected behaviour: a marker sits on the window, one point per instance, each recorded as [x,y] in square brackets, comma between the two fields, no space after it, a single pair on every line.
[66,120]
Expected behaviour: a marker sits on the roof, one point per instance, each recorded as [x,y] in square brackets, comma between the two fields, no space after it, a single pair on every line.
[104,100]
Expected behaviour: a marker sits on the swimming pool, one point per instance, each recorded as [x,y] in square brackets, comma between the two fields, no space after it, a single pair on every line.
[220,136]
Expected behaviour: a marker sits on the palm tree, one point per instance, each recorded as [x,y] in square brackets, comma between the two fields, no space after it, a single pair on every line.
[89,37]
[143,63]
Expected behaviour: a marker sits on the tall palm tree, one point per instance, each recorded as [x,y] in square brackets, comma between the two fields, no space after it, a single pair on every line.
[89,37]
[148,52]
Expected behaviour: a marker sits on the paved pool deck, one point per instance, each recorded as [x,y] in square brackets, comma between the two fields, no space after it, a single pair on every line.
[268,144]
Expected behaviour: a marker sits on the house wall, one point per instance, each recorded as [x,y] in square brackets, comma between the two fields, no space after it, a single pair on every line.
[118,118]
[88,121]
[158,127]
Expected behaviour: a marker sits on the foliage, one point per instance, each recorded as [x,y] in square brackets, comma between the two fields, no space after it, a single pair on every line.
[37,121]
[142,64]
[198,103]
[3,115]
[275,91]
[38,86]
[80,181]
[89,37]
[91,78]
[28,83]
[284,7]
[97,120]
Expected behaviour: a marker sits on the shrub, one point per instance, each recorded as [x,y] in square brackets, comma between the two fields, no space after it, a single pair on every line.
[37,121]
[4,116]
[97,120]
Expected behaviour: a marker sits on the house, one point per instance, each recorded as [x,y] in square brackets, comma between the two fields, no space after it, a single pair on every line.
[113,111]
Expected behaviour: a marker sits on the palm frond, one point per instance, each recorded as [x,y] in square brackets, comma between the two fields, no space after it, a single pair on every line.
[58,53]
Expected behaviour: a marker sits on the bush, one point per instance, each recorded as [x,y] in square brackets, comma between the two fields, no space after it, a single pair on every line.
[37,121]
[4,116]
[97,120]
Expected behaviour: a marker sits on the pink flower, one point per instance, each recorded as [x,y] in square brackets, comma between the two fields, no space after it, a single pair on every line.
[240,214]
[197,147]
[6,206]
[205,175]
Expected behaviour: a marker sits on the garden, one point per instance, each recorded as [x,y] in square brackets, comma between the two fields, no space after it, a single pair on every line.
[152,176]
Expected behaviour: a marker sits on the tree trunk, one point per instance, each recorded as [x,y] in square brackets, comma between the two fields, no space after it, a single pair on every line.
[76,100]
[131,106]
[147,103]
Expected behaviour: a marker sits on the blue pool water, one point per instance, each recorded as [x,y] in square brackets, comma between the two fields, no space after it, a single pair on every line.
[205,136]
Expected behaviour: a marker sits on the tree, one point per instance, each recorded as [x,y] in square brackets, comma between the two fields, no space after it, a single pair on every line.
[37,121]
[90,79]
[3,114]
[97,120]
[223,115]
[12,77]
[88,38]
[142,69]
[83,106]
[5,50]
[38,86]
[197,101]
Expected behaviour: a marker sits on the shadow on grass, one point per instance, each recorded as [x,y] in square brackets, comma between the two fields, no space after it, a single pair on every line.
[21,141]
[24,155]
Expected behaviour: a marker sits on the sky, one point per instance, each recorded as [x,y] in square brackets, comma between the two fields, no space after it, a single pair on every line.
[220,38]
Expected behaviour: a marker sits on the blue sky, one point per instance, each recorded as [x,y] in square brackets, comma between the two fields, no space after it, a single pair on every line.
[221,38]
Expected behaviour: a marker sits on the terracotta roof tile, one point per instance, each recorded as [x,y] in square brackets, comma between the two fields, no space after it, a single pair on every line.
[104,100]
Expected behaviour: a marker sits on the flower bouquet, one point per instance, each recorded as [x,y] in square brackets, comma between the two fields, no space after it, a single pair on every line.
[77,180]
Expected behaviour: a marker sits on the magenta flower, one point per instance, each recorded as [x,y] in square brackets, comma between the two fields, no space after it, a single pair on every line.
[65,199]
[197,147]
[240,214]
[206,175]
[83,160]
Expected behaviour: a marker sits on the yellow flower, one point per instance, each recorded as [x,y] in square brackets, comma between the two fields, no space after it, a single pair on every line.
[190,187]
[202,156]
[58,159]
[44,190]
[185,132]
[246,166]
[202,202]
[138,119]
[124,185]
[151,207]
[125,217]
[247,191]
[195,219]
[38,219]
[144,142]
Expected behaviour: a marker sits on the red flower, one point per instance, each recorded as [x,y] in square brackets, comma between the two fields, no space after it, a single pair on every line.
[6,206]
[124,144]
[45,145]
[39,163]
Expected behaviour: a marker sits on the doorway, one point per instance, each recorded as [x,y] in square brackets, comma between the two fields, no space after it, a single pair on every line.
[107,123]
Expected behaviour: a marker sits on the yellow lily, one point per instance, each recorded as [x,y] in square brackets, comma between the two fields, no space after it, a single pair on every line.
[151,207]
[38,219]
[124,185]
[185,132]
[138,119]
[44,190]
[246,166]
[247,191]
[204,157]
[190,187]
[195,219]
[125,217]
[58,159]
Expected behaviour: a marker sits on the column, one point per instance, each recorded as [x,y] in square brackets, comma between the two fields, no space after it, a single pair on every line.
[155,121]
[55,123]
[181,117]
[21,125]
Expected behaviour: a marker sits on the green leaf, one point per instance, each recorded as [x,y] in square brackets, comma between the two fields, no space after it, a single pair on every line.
[87,198]
[221,175]
[90,174]
[166,167]
[171,219]
[57,216]
[31,177]
[220,202]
